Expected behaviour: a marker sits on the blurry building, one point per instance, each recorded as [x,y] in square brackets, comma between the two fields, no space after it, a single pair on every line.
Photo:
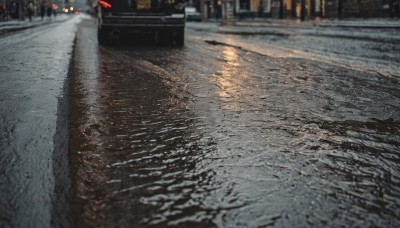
[339,8]
[9,9]
[311,8]
[369,8]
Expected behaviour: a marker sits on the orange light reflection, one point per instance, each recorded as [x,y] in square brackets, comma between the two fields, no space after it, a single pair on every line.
[229,79]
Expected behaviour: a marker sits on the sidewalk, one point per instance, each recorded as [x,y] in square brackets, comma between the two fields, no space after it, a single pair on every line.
[373,23]
[361,23]
[368,30]
[15,25]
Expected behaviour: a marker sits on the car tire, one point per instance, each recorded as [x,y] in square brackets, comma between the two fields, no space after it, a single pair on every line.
[179,38]
[102,36]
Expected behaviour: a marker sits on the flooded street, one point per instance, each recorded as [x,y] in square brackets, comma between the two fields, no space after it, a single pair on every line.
[274,123]
[228,133]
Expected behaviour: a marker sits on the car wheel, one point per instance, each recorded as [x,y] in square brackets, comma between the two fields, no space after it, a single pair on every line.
[179,38]
[102,36]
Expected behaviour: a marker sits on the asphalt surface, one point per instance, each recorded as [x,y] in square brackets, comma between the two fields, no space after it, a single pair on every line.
[245,126]
[33,125]
[14,25]
[216,134]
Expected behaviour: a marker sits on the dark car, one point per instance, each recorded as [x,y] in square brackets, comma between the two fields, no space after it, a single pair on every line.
[165,17]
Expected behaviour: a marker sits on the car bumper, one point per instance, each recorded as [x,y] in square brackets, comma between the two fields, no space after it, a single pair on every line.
[193,18]
[143,22]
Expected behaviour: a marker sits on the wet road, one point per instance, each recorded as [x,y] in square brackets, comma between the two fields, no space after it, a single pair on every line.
[229,133]
[33,125]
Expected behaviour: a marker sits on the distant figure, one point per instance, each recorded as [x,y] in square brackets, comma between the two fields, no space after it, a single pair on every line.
[2,12]
[31,9]
[55,8]
[14,10]
[42,9]
[49,10]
